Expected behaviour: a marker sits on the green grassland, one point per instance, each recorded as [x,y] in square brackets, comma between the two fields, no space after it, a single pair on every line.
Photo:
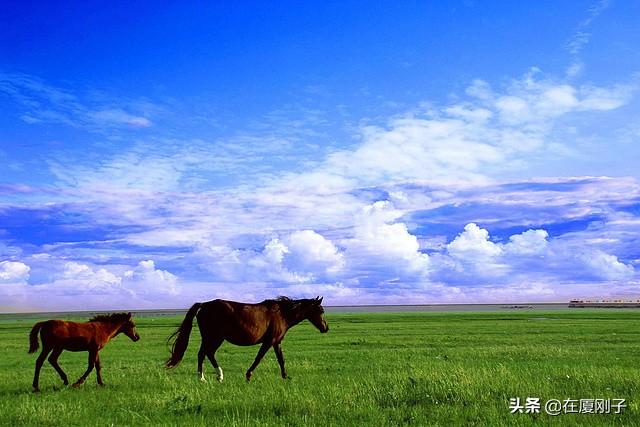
[370,369]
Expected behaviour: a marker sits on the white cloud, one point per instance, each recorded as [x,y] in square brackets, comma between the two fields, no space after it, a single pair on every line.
[14,276]
[299,257]
[118,116]
[422,148]
[269,264]
[468,142]
[382,245]
[528,243]
[129,171]
[13,272]
[146,280]
[81,286]
[44,103]
[575,69]
[310,251]
[532,101]
[470,258]
[338,225]
[140,282]
[473,243]
[88,277]
[607,266]
[473,259]
[582,36]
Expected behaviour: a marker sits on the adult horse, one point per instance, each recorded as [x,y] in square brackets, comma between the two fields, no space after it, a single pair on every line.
[91,336]
[264,323]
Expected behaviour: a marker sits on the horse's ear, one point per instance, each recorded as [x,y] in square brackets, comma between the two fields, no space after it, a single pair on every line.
[319,299]
[129,315]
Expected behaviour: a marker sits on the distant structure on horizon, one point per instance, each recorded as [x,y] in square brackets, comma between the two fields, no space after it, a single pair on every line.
[604,303]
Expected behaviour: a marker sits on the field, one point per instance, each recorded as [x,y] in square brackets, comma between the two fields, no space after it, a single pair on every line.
[370,369]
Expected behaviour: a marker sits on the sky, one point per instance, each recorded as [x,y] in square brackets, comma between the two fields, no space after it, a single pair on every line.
[467,151]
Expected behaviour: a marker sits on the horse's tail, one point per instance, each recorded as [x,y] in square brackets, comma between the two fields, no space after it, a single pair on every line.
[181,336]
[33,337]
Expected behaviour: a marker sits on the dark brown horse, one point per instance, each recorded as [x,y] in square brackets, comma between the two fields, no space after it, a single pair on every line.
[265,323]
[91,336]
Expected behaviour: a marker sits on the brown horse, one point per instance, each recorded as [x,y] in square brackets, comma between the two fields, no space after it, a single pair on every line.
[91,336]
[265,323]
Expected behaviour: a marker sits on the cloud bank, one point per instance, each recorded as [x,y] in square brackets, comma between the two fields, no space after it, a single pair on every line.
[431,205]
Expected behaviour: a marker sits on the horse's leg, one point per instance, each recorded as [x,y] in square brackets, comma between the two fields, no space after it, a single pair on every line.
[92,361]
[53,359]
[280,356]
[263,350]
[211,354]
[201,354]
[98,369]
[39,361]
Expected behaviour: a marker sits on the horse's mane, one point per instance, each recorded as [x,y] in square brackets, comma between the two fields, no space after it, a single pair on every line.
[287,304]
[111,318]
[281,300]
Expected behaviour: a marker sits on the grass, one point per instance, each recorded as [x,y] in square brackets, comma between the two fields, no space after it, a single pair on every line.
[370,369]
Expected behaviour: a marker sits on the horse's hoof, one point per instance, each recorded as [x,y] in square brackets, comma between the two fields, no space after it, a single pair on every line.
[76,385]
[101,384]
[248,377]
[36,390]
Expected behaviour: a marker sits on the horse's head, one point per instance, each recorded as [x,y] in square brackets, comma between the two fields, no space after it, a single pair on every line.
[315,314]
[129,328]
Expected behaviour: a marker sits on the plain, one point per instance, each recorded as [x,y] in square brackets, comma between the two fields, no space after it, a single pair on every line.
[370,369]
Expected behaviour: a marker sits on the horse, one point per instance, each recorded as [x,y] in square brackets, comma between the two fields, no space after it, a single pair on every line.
[243,324]
[91,336]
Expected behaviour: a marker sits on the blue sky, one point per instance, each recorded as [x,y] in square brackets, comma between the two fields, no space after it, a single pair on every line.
[425,152]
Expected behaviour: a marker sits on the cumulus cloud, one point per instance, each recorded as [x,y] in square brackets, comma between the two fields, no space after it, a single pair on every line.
[473,242]
[147,280]
[529,256]
[81,286]
[14,276]
[141,282]
[471,258]
[270,263]
[383,246]
[99,278]
[607,266]
[530,242]
[13,272]
[310,251]
[388,254]
[299,257]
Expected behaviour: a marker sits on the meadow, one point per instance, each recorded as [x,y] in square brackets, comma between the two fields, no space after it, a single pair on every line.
[370,369]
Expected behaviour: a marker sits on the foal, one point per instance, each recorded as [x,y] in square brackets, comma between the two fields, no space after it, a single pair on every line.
[91,336]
